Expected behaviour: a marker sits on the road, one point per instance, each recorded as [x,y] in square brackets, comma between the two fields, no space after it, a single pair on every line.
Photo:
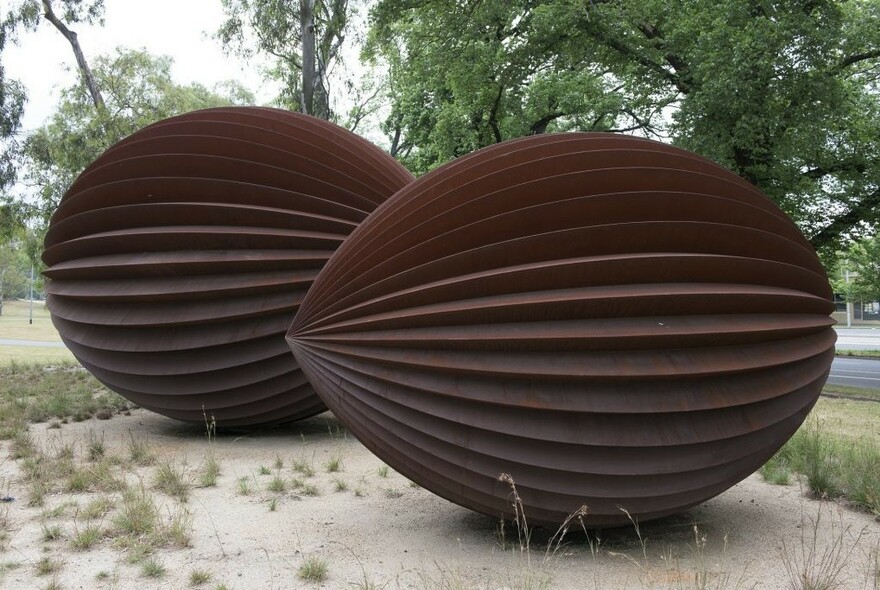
[855,372]
[858,338]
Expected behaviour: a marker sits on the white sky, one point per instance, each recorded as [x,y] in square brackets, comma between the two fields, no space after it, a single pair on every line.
[182,29]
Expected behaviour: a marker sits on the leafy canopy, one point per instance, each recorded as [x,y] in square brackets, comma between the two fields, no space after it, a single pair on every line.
[138,90]
[785,94]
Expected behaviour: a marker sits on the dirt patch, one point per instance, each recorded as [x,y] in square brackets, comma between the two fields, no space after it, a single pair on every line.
[277,501]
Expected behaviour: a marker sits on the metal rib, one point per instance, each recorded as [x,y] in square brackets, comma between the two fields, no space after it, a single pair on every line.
[610,320]
[178,258]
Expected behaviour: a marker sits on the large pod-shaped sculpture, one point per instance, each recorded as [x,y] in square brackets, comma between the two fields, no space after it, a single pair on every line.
[609,320]
[178,259]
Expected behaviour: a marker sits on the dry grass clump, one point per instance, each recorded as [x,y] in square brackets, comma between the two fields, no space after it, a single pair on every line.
[817,559]
[171,480]
[830,466]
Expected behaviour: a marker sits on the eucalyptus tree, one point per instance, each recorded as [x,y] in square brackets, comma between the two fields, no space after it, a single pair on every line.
[28,15]
[304,38]
[783,93]
[138,89]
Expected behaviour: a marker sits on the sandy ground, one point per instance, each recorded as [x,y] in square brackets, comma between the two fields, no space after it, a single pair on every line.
[383,532]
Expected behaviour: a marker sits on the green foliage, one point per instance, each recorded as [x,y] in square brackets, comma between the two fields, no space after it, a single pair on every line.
[138,90]
[273,28]
[783,93]
[863,261]
[27,15]
[15,271]
[467,75]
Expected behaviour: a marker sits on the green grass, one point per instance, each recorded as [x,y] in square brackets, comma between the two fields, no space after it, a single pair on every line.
[138,515]
[37,393]
[199,578]
[152,568]
[209,471]
[277,484]
[859,353]
[14,322]
[243,486]
[831,466]
[845,390]
[14,325]
[51,532]
[313,569]
[46,566]
[35,355]
[848,420]
[86,538]
[304,466]
[139,452]
[97,508]
[171,480]
[333,465]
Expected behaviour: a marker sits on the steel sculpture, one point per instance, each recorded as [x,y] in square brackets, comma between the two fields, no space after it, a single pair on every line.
[178,259]
[609,320]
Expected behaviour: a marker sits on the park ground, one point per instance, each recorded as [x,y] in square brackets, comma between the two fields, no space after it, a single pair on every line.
[102,495]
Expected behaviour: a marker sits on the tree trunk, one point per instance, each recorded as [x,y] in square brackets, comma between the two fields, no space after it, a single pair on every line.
[84,69]
[307,24]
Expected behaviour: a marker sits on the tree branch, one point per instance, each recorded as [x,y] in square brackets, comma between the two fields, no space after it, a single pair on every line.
[821,171]
[540,126]
[868,209]
[84,69]
[856,58]
[493,114]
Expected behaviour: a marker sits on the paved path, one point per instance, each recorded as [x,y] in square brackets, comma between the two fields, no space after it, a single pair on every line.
[11,342]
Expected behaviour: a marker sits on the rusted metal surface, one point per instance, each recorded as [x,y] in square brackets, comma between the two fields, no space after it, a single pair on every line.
[611,321]
[178,259]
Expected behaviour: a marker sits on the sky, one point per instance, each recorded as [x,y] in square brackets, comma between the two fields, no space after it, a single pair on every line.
[182,29]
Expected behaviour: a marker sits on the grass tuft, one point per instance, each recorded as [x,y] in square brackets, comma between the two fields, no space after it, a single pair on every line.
[333,465]
[51,532]
[171,481]
[199,578]
[47,565]
[304,467]
[86,538]
[152,568]
[313,569]
[209,471]
[139,452]
[832,467]
[277,484]
[138,514]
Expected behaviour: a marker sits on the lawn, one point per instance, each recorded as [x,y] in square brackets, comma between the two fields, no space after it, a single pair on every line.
[14,323]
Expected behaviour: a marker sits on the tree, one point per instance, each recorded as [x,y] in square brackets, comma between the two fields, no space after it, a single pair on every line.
[27,14]
[862,260]
[14,268]
[304,38]
[465,75]
[783,93]
[138,90]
